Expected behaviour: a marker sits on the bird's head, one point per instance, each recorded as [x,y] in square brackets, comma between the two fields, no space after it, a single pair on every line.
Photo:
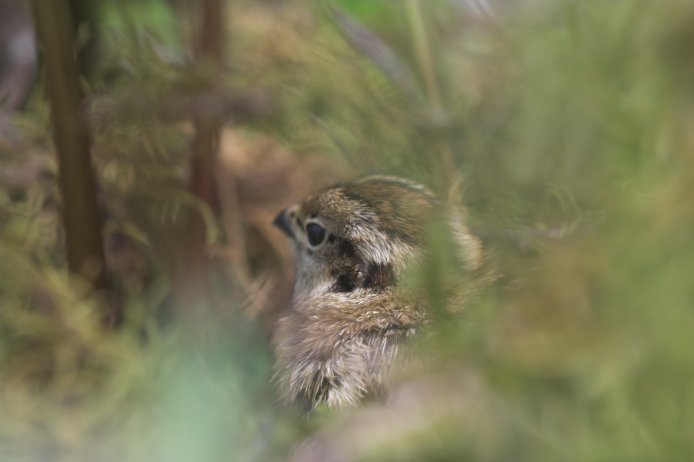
[357,235]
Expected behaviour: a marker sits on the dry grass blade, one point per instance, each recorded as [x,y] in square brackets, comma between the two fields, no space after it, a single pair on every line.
[368,43]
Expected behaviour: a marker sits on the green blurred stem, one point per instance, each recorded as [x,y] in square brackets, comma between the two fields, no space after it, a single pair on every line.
[425,62]
[422,51]
[83,229]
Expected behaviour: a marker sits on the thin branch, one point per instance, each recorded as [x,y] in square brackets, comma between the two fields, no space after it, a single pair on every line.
[83,229]
[194,279]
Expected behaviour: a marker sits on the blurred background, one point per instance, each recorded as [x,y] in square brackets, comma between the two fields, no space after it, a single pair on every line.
[145,147]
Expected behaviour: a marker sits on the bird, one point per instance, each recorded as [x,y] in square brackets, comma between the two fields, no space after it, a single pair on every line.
[349,319]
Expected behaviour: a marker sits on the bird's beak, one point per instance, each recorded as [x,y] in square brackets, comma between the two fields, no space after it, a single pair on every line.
[282,221]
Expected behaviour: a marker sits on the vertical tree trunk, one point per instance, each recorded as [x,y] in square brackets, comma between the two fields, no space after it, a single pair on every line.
[194,280]
[210,43]
[83,232]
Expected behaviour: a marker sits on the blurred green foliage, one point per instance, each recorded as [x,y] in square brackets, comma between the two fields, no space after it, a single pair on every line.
[569,126]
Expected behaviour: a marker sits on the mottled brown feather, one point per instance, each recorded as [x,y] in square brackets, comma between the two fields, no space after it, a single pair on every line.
[349,322]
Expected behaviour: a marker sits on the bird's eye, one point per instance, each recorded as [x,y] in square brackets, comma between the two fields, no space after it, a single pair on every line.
[315,234]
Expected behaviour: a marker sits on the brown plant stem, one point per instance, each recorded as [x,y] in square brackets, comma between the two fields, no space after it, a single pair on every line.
[194,277]
[83,228]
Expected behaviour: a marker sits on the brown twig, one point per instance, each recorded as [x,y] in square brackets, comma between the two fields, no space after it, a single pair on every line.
[83,228]
[194,276]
